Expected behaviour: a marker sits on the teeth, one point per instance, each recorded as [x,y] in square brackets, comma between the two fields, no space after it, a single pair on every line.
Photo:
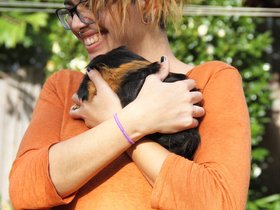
[91,40]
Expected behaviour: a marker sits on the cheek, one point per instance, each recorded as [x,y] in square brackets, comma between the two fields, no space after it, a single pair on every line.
[76,35]
[112,22]
[116,35]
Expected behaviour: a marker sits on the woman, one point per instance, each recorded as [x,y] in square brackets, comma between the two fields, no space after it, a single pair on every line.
[68,163]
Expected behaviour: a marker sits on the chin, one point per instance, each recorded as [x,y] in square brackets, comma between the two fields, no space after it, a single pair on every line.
[96,53]
[93,55]
[100,51]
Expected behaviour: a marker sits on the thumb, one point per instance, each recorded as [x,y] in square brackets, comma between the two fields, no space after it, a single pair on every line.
[164,68]
[97,79]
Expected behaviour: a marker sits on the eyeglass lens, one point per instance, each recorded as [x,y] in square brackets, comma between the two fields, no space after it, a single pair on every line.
[81,10]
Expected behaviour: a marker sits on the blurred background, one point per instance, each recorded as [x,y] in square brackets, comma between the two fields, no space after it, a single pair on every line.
[245,34]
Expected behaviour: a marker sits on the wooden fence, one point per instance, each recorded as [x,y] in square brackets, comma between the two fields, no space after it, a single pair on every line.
[18,94]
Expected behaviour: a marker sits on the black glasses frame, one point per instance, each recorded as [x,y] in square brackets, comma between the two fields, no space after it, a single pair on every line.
[74,10]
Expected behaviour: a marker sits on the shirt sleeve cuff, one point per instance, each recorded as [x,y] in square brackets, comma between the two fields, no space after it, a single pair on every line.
[161,179]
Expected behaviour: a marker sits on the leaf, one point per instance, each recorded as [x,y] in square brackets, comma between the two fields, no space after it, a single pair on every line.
[37,20]
[268,201]
[14,25]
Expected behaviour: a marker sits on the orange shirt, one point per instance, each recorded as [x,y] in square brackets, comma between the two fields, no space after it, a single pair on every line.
[218,178]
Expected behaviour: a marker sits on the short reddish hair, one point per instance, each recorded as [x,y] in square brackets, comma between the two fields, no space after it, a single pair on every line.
[165,10]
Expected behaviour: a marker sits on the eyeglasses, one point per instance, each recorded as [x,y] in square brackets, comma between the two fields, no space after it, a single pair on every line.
[81,9]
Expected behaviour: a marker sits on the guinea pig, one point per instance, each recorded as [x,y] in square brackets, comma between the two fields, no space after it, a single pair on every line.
[125,72]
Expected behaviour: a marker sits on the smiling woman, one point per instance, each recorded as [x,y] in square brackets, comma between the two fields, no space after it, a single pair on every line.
[80,158]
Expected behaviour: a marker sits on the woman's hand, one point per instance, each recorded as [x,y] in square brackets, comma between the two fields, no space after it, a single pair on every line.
[103,105]
[159,107]
[166,107]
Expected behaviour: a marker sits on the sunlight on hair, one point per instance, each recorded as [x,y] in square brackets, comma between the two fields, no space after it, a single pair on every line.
[158,12]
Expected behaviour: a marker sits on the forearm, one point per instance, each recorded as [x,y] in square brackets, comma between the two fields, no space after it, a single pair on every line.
[149,157]
[83,156]
[184,178]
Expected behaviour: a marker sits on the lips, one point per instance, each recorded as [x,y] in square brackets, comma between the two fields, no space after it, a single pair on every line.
[92,39]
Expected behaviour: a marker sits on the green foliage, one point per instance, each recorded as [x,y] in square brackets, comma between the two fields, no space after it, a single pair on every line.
[22,35]
[67,52]
[271,202]
[14,27]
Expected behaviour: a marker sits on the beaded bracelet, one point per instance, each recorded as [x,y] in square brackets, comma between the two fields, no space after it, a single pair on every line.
[122,129]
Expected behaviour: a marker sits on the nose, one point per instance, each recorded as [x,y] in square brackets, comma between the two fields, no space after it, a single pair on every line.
[76,24]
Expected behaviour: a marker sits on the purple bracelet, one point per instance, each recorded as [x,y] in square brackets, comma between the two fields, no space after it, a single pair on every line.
[122,129]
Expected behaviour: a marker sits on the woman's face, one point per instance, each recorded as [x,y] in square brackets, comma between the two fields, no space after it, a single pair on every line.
[110,35]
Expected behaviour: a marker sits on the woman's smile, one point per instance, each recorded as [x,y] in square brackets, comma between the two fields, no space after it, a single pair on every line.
[92,40]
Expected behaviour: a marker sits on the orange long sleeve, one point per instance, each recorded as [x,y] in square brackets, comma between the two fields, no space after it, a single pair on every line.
[30,183]
[218,178]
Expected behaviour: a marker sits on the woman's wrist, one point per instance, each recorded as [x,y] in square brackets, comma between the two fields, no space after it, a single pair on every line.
[119,124]
[132,122]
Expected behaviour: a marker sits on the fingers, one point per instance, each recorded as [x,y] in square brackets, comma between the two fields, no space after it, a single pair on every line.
[198,111]
[77,102]
[76,99]
[99,82]
[195,123]
[75,112]
[189,84]
[165,68]
[195,97]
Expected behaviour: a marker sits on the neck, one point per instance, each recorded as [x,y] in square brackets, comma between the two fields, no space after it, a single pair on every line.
[154,44]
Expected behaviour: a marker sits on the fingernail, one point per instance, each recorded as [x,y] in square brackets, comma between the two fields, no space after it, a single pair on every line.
[162,59]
